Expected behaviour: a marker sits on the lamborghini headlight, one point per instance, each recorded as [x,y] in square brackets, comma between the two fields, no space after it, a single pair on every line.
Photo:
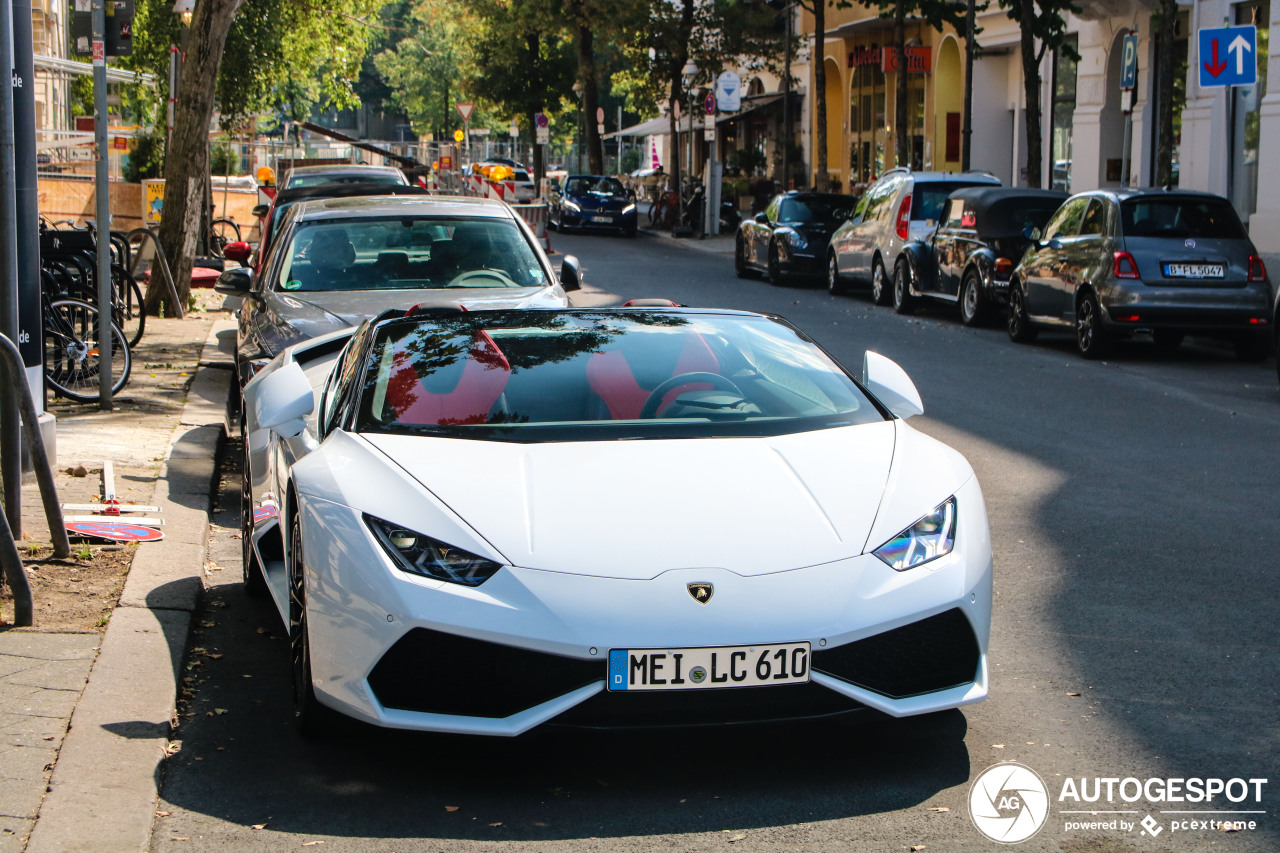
[928,539]
[430,558]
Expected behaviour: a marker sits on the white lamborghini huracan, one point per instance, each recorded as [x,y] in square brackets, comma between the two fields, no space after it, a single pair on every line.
[481,522]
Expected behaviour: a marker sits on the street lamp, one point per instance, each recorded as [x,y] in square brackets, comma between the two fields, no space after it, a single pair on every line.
[579,90]
[688,74]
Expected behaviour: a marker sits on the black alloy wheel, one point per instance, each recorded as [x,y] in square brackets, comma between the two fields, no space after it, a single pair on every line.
[254,582]
[1020,329]
[881,294]
[776,275]
[739,257]
[835,284]
[1091,338]
[973,308]
[903,301]
[311,719]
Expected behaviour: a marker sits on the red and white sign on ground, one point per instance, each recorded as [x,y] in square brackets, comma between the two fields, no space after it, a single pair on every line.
[465,111]
[114,531]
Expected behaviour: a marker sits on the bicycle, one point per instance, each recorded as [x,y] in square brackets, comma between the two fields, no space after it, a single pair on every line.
[221,232]
[72,358]
[70,257]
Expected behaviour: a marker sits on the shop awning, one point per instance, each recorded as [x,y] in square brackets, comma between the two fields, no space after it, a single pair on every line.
[661,125]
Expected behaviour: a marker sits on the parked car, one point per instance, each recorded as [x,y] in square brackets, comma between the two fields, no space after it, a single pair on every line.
[336,262]
[899,207]
[1114,262]
[968,259]
[341,173]
[272,214]
[593,201]
[1275,331]
[790,238]
[480,522]
[525,189]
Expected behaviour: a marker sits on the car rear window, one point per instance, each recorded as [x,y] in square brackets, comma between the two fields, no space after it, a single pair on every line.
[930,197]
[1210,218]
[553,376]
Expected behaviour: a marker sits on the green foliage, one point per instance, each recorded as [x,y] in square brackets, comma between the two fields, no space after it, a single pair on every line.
[80,95]
[630,160]
[423,66]
[1048,24]
[146,161]
[223,159]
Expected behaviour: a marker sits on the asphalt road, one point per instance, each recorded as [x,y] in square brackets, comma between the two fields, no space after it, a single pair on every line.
[1134,515]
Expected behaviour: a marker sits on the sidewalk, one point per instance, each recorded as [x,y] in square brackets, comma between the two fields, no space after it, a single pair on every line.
[716,244]
[85,711]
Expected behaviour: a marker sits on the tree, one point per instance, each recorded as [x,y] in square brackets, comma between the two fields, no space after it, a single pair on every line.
[1042,21]
[425,64]
[1164,21]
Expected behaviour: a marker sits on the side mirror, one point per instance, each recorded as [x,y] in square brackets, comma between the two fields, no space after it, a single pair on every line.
[260,210]
[238,251]
[762,218]
[235,282]
[570,274]
[282,399]
[891,385]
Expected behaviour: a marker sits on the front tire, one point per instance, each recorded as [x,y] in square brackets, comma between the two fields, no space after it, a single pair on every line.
[1091,337]
[776,275]
[880,285]
[311,719]
[739,258]
[903,301]
[835,284]
[1020,329]
[973,308]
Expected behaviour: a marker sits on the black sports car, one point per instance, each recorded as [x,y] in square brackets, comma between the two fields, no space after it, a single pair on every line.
[790,237]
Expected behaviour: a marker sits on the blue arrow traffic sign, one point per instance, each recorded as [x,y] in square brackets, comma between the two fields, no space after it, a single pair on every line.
[1228,56]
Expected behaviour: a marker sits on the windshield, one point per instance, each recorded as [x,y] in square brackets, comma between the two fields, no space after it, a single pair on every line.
[601,186]
[408,253]
[573,376]
[828,209]
[315,180]
[1210,218]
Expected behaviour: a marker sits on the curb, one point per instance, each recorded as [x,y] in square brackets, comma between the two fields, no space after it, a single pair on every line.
[105,785]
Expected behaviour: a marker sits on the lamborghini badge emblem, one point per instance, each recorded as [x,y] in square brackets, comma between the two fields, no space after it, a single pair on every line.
[701,592]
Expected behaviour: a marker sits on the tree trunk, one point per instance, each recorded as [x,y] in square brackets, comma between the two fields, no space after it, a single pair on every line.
[1031,89]
[1164,83]
[186,169]
[590,99]
[902,138]
[820,92]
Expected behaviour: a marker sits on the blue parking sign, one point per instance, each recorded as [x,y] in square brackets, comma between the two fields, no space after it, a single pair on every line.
[1129,62]
[1228,56]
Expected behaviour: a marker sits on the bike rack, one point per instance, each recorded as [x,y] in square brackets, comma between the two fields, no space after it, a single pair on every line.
[14,382]
[166,274]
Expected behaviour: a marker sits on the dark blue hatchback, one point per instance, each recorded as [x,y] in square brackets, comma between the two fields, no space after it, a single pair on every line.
[594,201]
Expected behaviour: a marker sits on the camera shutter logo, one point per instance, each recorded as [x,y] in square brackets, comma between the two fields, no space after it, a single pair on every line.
[1008,802]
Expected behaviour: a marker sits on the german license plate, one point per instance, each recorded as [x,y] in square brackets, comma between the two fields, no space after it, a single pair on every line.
[602,219]
[1194,271]
[708,668]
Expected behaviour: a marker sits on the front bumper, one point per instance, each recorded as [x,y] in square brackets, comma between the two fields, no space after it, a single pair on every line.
[530,647]
[598,219]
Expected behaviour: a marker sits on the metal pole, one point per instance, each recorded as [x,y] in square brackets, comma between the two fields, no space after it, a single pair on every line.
[967,133]
[173,88]
[10,426]
[102,195]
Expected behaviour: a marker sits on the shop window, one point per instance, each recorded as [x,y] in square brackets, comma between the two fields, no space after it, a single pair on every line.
[1062,113]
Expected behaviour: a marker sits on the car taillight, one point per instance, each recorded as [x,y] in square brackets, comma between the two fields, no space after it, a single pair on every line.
[1003,266]
[1125,266]
[904,218]
[1257,269]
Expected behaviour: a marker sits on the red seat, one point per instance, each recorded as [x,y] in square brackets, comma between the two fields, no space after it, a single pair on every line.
[613,379]
[478,386]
